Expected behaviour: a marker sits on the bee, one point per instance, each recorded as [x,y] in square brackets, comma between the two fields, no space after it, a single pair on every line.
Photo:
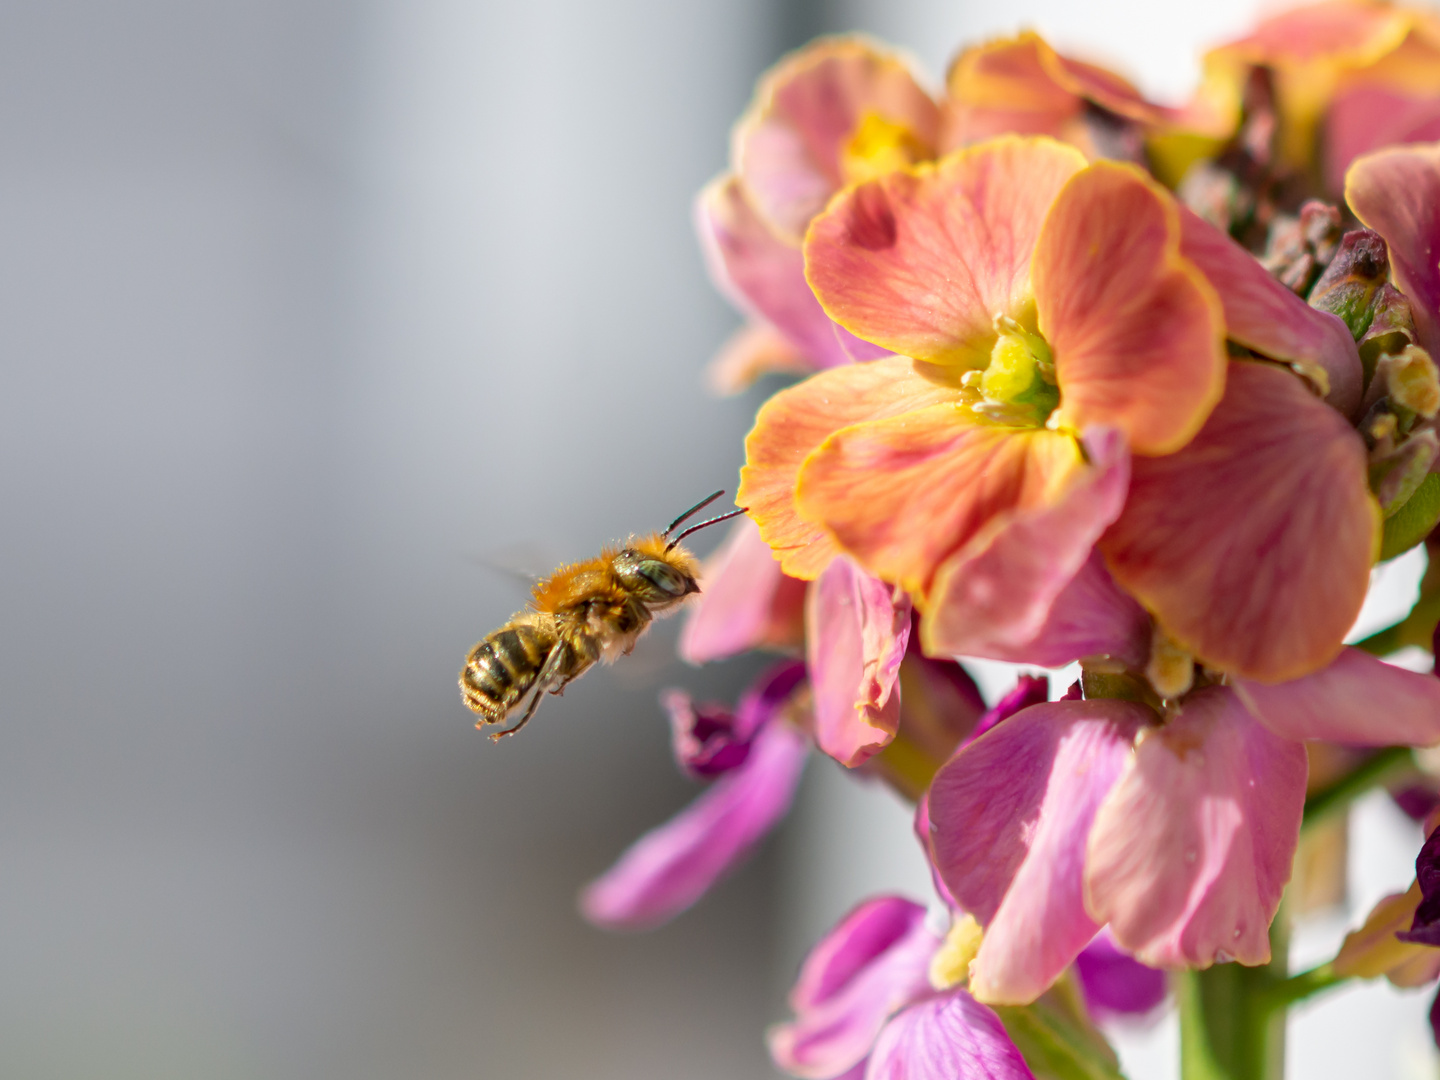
[582,613]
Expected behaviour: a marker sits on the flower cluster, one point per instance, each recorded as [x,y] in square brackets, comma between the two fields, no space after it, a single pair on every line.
[1081,378]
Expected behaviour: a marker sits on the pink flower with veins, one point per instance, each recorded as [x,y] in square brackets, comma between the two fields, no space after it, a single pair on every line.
[837,111]
[1062,381]
[1073,815]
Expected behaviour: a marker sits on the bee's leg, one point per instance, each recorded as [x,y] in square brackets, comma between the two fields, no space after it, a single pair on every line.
[535,697]
[544,681]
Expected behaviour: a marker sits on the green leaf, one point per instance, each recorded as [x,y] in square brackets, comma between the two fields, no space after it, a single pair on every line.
[1412,522]
[1058,1040]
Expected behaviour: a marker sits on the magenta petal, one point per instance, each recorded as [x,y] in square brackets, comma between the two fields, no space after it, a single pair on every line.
[947,1037]
[1358,699]
[1009,817]
[876,960]
[995,595]
[746,601]
[762,274]
[1193,847]
[709,740]
[672,866]
[1262,314]
[857,630]
[1114,983]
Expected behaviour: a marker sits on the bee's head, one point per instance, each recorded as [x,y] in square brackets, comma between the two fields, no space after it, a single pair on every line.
[656,577]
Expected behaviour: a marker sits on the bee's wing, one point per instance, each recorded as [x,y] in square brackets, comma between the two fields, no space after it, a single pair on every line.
[523,563]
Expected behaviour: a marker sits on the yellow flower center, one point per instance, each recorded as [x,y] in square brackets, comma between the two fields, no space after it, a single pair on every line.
[951,965]
[879,146]
[1018,385]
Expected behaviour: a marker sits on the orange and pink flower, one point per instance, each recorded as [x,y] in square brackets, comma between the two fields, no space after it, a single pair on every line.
[1062,379]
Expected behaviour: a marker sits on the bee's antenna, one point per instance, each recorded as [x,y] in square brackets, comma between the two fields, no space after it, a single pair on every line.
[693,510]
[704,524]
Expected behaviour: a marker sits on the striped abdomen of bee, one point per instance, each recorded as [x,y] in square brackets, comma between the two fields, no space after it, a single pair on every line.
[582,613]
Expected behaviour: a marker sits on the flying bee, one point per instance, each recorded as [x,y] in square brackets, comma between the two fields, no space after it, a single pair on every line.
[584,612]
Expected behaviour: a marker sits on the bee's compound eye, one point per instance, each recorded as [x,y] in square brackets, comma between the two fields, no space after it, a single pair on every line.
[663,576]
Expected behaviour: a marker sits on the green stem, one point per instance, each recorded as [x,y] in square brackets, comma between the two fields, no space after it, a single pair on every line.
[1232,1024]
[1362,778]
[1282,995]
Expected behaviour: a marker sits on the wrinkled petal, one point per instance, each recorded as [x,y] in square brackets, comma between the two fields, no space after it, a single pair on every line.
[1193,847]
[673,865]
[746,602]
[997,593]
[1115,983]
[1263,315]
[946,1037]
[709,739]
[792,424]
[857,630]
[762,274]
[1137,332]
[875,961]
[753,351]
[790,147]
[903,494]
[1253,545]
[1396,192]
[921,261]
[1009,814]
[1357,699]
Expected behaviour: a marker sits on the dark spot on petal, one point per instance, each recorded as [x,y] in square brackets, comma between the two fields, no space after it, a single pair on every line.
[872,222]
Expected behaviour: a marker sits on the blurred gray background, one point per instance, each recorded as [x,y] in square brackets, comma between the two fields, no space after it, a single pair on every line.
[307,308]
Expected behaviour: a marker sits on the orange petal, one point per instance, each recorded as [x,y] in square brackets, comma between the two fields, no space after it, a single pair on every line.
[753,351]
[904,493]
[921,261]
[789,147]
[1005,86]
[1253,545]
[797,420]
[1138,333]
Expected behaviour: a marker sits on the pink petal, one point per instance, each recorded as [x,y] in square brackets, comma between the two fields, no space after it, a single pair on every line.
[857,630]
[947,1037]
[789,147]
[753,351]
[746,602]
[1009,816]
[1358,699]
[998,593]
[1137,331]
[762,274]
[876,960]
[1253,545]
[709,740]
[1366,118]
[1263,315]
[922,261]
[1192,849]
[1396,192]
[673,865]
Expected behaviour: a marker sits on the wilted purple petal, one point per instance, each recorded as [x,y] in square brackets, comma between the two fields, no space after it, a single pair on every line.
[947,1037]
[1029,690]
[1114,982]
[710,739]
[1425,930]
[876,960]
[673,865]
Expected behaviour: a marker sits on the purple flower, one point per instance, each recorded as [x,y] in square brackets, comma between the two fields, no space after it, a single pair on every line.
[1425,930]
[673,865]
[1114,983]
[709,739]
[864,1006]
